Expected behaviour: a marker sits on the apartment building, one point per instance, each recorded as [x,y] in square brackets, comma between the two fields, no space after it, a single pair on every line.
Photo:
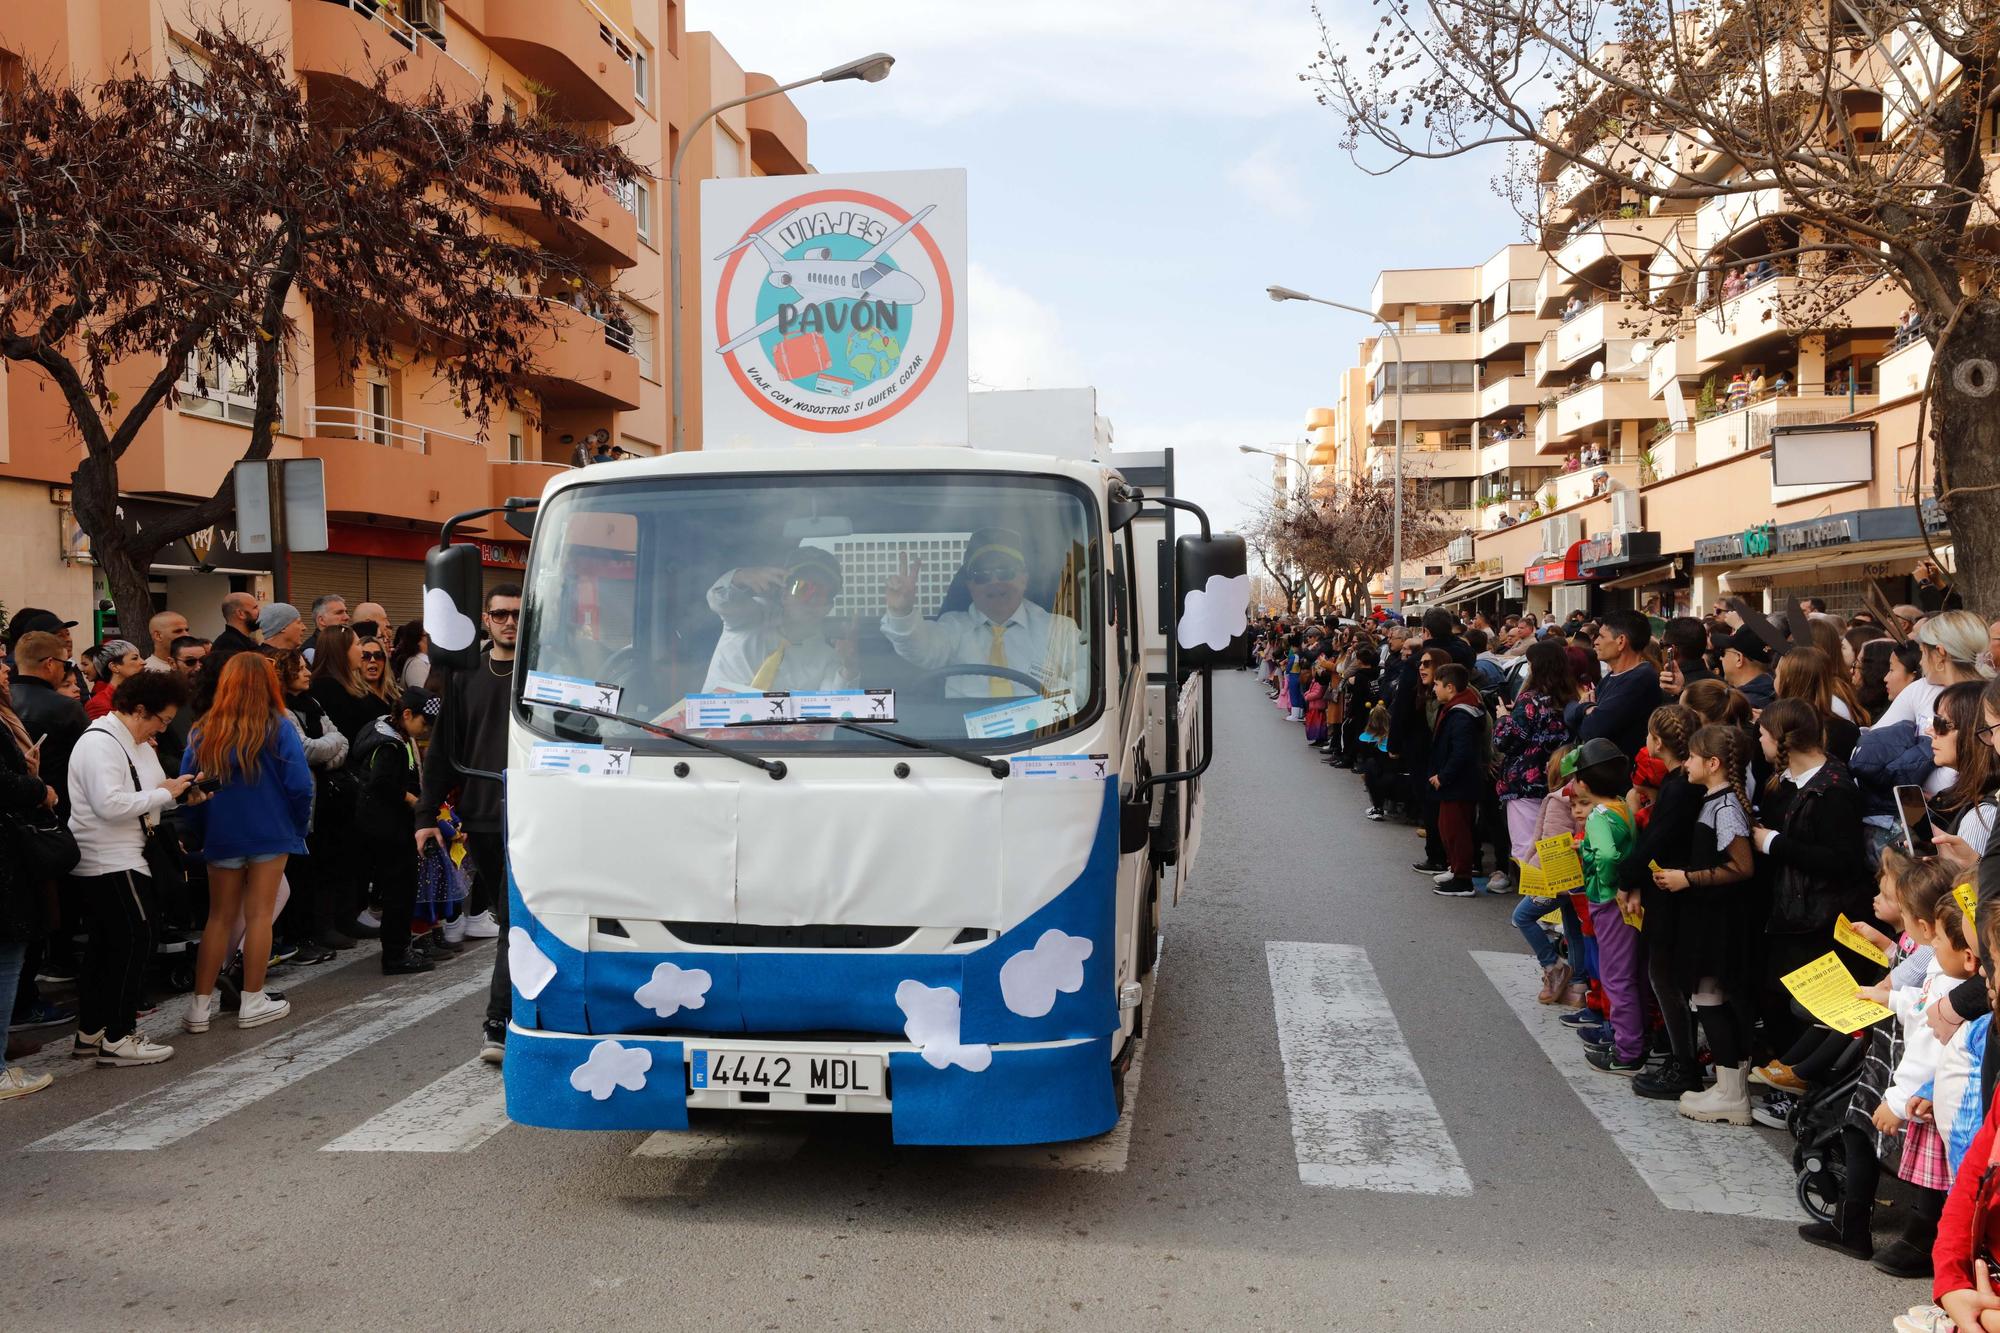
[398,455]
[1338,435]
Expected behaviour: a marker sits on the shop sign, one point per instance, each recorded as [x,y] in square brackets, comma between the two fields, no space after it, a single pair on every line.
[216,547]
[1566,570]
[1816,534]
[1609,550]
[1752,543]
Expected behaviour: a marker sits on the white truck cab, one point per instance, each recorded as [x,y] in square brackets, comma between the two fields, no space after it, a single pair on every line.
[844,779]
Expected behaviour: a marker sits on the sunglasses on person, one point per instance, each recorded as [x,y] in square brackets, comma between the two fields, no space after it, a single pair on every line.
[995,573]
[1941,726]
[371,657]
[513,614]
[804,586]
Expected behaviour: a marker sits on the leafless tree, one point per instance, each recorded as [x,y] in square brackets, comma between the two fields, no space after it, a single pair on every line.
[1858,129]
[1329,543]
[149,220]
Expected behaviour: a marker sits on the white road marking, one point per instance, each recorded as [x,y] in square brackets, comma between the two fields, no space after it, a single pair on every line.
[1689,1167]
[1106,1154]
[164,1023]
[456,1113]
[171,1113]
[1362,1118]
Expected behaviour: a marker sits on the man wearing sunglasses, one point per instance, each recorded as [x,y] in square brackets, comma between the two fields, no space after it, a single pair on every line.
[774,628]
[1000,628]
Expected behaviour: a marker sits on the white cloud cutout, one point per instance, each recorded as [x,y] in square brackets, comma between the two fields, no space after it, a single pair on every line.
[931,1019]
[611,1067]
[1271,183]
[1015,340]
[1030,980]
[673,989]
[1215,614]
[450,628]
[528,967]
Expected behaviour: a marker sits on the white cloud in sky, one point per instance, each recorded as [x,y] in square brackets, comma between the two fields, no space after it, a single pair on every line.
[1267,180]
[1241,58]
[1017,341]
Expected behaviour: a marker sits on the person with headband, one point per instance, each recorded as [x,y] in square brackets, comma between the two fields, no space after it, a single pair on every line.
[1000,628]
[774,628]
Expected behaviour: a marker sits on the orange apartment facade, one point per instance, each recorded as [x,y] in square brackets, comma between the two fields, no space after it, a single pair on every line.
[399,457]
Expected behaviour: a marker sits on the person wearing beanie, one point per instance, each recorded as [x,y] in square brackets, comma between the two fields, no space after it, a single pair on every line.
[1746,665]
[280,626]
[385,757]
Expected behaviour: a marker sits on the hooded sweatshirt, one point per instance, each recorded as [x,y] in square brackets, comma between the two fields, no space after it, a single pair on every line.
[1460,748]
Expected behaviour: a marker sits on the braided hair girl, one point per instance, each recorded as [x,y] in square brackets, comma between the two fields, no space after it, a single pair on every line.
[1670,826]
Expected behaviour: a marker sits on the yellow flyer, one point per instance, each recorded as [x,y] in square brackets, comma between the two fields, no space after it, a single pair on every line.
[1826,988]
[1968,901]
[1636,918]
[1531,880]
[1562,868]
[1844,933]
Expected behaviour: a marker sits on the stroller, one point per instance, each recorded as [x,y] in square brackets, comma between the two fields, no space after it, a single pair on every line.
[1817,1158]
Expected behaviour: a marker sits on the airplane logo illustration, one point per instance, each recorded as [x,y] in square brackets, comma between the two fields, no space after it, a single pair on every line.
[817,279]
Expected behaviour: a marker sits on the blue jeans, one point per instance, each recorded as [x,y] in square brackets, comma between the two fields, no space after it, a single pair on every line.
[11,956]
[1528,914]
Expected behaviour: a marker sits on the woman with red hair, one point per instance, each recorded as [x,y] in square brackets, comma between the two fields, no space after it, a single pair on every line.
[254,821]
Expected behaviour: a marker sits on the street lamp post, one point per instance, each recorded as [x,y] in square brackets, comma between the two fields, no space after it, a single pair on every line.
[1284,500]
[1396,346]
[869,69]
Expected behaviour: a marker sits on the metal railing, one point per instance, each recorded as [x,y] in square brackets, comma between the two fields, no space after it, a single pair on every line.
[406,34]
[358,423]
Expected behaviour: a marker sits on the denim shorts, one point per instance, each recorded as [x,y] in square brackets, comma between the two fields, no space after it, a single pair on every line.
[239,862]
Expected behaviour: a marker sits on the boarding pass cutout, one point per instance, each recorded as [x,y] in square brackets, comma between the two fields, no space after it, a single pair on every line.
[571,692]
[584,760]
[709,711]
[1017,716]
[1073,767]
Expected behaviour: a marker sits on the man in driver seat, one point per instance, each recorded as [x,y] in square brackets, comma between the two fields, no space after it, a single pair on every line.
[774,628]
[1000,628]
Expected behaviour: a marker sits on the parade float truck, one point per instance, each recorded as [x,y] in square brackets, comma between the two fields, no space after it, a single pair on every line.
[886,875]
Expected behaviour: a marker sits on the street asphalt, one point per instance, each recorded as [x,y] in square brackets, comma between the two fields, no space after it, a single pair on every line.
[1202,1221]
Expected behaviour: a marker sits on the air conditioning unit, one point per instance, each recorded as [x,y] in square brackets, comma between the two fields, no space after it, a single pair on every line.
[1625,511]
[1561,532]
[427,17]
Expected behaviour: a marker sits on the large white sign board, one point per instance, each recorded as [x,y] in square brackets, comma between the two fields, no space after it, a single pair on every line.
[833,309]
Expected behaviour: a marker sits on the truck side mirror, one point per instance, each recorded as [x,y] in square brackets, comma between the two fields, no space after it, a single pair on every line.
[454,591]
[1212,578]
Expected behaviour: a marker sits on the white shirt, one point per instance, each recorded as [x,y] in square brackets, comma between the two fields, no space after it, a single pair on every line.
[1041,643]
[1797,780]
[416,671]
[157,664]
[105,809]
[751,632]
[1916,704]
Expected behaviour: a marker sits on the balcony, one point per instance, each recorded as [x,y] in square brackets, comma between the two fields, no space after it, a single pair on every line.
[1576,487]
[1516,328]
[1729,215]
[585,362]
[1748,428]
[1324,446]
[1904,370]
[338,46]
[1422,404]
[505,480]
[1585,332]
[1672,361]
[1423,343]
[379,466]
[777,130]
[1507,455]
[607,233]
[1509,391]
[1727,332]
[1634,240]
[1603,402]
[572,48]
[1398,287]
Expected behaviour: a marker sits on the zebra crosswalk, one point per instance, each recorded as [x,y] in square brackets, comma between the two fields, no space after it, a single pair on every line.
[1362,1113]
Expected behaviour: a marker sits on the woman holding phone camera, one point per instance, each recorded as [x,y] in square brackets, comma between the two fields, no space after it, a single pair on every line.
[118,795]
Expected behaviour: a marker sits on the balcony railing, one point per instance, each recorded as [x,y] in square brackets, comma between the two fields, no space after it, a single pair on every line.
[406,34]
[357,423]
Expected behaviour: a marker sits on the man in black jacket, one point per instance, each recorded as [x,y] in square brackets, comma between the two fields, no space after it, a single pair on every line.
[239,635]
[472,734]
[52,718]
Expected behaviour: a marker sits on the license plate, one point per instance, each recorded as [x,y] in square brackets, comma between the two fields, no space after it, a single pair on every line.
[784,1071]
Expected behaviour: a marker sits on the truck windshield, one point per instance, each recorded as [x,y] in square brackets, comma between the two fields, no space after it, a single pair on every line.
[952,607]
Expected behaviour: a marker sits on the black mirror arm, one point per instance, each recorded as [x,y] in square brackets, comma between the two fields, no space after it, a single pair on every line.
[514,504]
[1200,514]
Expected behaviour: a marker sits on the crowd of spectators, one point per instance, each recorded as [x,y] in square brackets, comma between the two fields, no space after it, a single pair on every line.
[1683,812]
[200,812]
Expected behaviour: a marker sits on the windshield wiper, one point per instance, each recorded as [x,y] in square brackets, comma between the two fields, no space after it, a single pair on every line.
[775,767]
[999,768]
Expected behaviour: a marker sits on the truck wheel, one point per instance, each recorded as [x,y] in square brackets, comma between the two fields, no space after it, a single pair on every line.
[1120,1067]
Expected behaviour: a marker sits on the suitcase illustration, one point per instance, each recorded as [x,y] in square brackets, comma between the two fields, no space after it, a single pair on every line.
[801,355]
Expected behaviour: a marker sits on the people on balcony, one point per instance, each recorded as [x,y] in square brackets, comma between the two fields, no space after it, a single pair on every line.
[1738,393]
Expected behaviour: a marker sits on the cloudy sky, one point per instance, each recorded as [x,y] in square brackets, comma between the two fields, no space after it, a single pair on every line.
[1139,172]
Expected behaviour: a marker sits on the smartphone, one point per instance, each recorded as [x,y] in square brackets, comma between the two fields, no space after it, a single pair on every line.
[1916,821]
[213,785]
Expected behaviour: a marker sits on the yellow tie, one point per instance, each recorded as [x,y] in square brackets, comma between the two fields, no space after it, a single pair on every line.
[997,686]
[768,670]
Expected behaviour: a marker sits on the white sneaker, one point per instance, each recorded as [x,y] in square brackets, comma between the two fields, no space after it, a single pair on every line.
[481,926]
[370,918]
[132,1049]
[1497,882]
[1443,877]
[259,1009]
[18,1082]
[200,1007]
[86,1045]
[1372,813]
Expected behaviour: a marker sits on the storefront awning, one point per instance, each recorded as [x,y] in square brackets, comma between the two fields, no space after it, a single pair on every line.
[1471,592]
[1820,566]
[1646,578]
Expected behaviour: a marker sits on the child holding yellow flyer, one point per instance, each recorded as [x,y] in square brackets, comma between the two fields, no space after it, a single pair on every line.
[1558,974]
[1603,775]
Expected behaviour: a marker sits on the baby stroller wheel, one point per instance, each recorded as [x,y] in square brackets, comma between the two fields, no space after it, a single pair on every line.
[180,977]
[1819,1188]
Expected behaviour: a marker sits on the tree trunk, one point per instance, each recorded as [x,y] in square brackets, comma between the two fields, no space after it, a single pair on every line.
[94,497]
[1965,422]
